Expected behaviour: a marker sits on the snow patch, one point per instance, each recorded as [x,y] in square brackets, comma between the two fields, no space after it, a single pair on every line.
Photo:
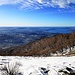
[39,65]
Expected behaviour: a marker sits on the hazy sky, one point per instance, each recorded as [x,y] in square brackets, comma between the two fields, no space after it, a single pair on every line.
[37,12]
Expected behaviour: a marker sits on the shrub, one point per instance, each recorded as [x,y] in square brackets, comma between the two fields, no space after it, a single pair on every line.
[10,70]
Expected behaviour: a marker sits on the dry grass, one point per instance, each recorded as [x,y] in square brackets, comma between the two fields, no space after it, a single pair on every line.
[10,70]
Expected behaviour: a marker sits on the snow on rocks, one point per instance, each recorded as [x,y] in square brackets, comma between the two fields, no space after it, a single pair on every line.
[40,65]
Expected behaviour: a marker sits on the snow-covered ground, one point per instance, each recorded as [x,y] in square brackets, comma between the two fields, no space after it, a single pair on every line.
[39,65]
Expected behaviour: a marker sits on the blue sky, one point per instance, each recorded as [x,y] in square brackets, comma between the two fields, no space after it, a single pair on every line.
[29,13]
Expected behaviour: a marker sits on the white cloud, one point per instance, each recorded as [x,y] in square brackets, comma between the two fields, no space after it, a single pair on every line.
[60,3]
[4,2]
[38,4]
[40,1]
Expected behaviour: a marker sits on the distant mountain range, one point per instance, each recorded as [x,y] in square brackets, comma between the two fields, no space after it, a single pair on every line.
[60,44]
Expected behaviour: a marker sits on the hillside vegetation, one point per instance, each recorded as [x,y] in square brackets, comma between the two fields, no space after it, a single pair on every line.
[44,47]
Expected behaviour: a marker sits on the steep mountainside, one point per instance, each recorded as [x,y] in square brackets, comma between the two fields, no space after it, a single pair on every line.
[58,44]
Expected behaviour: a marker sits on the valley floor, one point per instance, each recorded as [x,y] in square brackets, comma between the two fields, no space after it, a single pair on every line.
[39,65]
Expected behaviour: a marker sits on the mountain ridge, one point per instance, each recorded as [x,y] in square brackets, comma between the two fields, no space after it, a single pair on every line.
[44,47]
